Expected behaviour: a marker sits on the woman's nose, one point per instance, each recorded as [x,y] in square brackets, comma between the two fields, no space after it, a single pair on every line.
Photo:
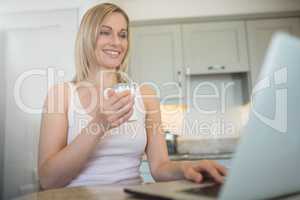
[115,39]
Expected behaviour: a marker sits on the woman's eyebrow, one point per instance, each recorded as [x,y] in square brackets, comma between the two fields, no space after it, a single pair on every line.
[108,27]
[105,26]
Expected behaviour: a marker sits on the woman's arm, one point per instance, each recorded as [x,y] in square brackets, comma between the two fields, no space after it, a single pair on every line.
[162,169]
[58,162]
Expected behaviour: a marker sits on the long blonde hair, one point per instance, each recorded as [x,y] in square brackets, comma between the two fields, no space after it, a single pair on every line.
[87,36]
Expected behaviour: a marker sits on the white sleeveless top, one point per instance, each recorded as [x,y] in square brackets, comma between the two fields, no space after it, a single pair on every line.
[117,157]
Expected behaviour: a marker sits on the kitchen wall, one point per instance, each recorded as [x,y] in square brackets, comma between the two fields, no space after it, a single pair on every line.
[2,109]
[215,101]
[157,9]
[166,9]
[161,9]
[33,41]
[13,6]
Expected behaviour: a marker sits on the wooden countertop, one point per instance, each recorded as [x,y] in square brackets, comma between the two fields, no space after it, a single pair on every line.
[80,193]
[224,156]
[94,192]
[200,156]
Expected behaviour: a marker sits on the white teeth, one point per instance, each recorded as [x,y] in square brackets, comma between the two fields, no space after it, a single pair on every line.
[113,53]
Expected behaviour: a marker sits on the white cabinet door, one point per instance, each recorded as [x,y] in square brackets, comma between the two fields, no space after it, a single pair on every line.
[215,47]
[38,47]
[259,36]
[156,57]
[2,110]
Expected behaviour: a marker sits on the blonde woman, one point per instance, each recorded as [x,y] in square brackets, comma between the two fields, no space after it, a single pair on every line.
[85,139]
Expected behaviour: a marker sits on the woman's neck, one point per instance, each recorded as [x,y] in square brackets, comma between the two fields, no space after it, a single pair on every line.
[103,78]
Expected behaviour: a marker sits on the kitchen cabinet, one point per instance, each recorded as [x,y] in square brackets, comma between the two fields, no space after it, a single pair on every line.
[162,54]
[215,47]
[165,55]
[157,58]
[259,36]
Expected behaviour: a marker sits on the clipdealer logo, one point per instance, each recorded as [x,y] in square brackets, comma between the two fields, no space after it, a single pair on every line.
[279,121]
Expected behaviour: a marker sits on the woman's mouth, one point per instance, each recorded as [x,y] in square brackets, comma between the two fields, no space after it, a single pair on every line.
[112,53]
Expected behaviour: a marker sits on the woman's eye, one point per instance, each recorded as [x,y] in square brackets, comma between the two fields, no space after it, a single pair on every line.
[104,33]
[123,35]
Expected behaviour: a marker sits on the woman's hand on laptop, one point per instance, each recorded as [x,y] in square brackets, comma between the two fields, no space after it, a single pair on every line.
[198,171]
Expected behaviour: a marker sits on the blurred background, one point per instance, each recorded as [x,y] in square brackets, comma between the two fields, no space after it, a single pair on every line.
[203,56]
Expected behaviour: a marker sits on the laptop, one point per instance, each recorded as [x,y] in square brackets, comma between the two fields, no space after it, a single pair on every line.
[267,160]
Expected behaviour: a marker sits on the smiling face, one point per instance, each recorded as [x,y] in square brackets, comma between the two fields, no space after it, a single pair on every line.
[112,41]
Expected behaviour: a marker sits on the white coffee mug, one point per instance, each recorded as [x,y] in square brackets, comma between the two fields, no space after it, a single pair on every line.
[120,87]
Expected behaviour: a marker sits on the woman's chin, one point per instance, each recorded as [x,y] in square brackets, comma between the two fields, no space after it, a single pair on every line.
[111,66]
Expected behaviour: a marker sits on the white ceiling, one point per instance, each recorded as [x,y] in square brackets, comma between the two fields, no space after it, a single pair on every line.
[160,9]
[9,6]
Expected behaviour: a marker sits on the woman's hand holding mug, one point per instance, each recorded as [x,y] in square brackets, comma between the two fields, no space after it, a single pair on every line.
[116,108]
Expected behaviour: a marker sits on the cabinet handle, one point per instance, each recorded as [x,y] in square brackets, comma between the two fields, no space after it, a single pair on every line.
[216,67]
[179,78]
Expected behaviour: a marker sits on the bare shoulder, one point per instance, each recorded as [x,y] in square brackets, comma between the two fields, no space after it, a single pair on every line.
[57,98]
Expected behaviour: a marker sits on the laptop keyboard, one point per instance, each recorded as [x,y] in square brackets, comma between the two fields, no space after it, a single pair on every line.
[209,191]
